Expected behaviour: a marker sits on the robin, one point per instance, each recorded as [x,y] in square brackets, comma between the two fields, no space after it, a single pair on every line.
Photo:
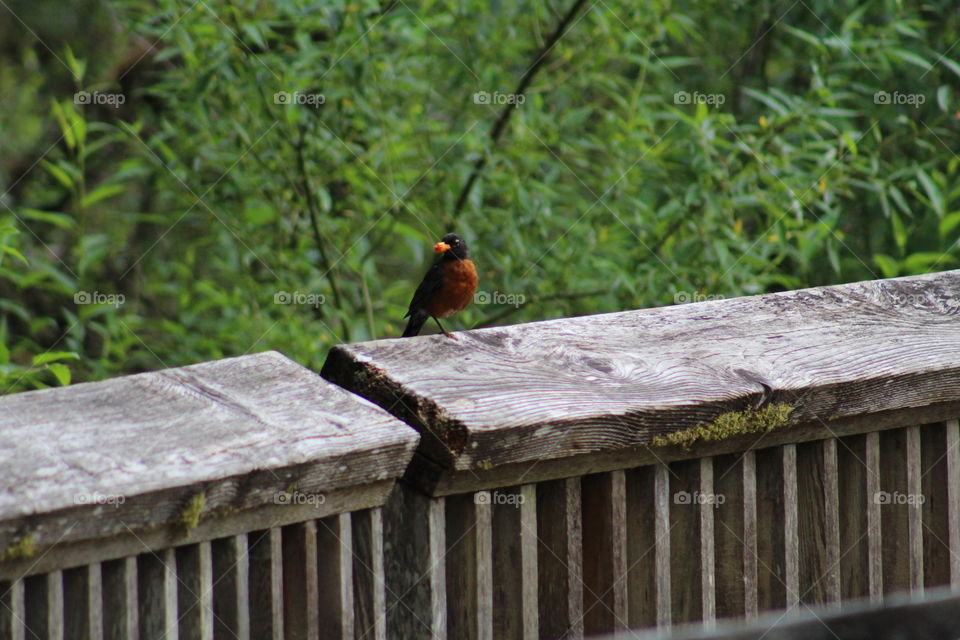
[447,288]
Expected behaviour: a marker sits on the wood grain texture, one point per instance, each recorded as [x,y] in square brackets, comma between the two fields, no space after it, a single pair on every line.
[266,584]
[953,500]
[300,613]
[157,595]
[874,519]
[120,609]
[771,552]
[750,554]
[507,564]
[604,552]
[936,511]
[12,615]
[561,388]
[99,459]
[335,576]
[854,559]
[368,576]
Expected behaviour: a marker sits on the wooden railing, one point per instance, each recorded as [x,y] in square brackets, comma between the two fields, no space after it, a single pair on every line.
[572,477]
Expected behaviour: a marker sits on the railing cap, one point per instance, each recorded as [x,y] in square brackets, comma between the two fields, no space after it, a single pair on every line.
[666,377]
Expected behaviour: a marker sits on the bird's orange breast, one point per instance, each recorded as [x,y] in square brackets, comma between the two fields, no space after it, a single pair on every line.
[456,290]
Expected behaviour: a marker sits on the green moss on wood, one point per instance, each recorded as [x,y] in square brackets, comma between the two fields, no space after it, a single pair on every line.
[20,549]
[190,516]
[729,425]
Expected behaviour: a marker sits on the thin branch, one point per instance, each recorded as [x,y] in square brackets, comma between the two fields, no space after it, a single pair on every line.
[500,125]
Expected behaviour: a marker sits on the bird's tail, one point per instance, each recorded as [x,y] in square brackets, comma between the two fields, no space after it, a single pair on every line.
[415,324]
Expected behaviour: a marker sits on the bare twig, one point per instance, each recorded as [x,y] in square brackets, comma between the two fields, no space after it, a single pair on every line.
[500,125]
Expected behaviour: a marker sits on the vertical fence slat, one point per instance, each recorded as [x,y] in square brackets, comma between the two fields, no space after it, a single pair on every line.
[507,564]
[157,595]
[935,509]
[230,562]
[120,612]
[484,560]
[894,510]
[771,570]
[528,561]
[438,574]
[560,589]
[685,593]
[76,603]
[641,547]
[914,509]
[953,499]
[854,503]
[12,613]
[604,552]
[750,553]
[195,591]
[95,600]
[831,513]
[707,564]
[266,584]
[414,548]
[791,538]
[662,555]
[874,522]
[368,575]
[461,566]
[335,576]
[811,523]
[300,620]
[725,504]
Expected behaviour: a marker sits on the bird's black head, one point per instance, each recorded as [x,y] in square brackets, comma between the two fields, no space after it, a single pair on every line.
[452,247]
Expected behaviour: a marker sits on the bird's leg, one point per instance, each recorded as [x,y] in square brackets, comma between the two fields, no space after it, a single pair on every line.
[449,335]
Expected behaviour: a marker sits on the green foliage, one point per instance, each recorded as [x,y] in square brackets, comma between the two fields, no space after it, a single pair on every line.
[277,172]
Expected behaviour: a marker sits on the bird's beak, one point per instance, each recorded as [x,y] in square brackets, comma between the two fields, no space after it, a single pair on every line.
[440,247]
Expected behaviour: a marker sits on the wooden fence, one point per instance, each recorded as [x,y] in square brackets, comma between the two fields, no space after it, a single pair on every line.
[555,479]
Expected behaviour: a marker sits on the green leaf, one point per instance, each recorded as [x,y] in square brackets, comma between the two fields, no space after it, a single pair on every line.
[13,252]
[933,192]
[949,223]
[909,57]
[899,231]
[58,219]
[943,98]
[4,354]
[926,261]
[101,192]
[62,372]
[887,265]
[53,356]
[57,172]
[258,213]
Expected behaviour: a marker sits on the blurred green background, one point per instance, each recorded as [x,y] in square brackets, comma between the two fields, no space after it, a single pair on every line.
[183,181]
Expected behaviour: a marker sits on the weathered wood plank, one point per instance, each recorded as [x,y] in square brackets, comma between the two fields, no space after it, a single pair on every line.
[685,568]
[76,604]
[936,511]
[335,576]
[894,510]
[791,533]
[454,482]
[528,561]
[231,588]
[814,553]
[604,552]
[484,563]
[874,518]
[507,564]
[708,567]
[914,508]
[953,499]
[750,552]
[120,599]
[195,591]
[157,594]
[368,576]
[854,505]
[559,559]
[462,575]
[100,459]
[831,520]
[662,526]
[641,548]
[724,502]
[300,614]
[80,553]
[266,584]
[555,389]
[414,549]
[771,552]
[12,613]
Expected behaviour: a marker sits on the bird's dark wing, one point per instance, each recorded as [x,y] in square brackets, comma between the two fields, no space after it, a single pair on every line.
[429,286]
